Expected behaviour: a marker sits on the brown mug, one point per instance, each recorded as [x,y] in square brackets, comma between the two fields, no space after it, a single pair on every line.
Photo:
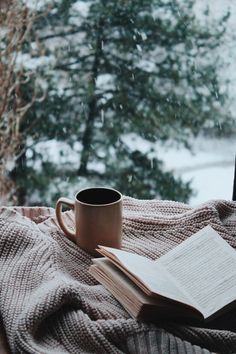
[98,218]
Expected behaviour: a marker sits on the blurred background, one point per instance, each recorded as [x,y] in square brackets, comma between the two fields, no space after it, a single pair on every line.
[137,95]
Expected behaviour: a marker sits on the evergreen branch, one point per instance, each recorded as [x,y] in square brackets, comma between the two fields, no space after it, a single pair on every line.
[66,66]
[60,34]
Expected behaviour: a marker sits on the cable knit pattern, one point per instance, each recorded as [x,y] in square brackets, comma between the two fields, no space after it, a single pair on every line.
[49,303]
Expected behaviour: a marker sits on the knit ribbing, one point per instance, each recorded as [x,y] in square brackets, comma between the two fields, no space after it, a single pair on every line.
[50,303]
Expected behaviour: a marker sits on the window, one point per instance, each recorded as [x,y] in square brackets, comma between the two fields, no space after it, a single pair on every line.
[137,95]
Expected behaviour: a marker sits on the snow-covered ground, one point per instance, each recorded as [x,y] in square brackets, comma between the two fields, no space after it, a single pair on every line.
[210,167]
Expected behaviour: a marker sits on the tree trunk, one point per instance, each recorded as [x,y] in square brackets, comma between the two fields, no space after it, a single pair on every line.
[92,104]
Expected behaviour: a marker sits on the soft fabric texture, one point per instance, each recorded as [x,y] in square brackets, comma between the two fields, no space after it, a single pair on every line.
[49,303]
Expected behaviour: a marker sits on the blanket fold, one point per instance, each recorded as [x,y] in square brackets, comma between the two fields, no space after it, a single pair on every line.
[49,303]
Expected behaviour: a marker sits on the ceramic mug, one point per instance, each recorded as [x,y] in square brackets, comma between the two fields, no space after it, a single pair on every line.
[98,218]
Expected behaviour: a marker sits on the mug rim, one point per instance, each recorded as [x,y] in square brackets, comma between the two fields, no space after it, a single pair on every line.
[98,205]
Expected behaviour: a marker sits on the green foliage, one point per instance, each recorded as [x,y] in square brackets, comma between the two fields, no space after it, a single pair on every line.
[144,178]
[144,67]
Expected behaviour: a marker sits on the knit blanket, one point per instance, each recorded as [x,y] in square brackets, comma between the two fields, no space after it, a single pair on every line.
[49,303]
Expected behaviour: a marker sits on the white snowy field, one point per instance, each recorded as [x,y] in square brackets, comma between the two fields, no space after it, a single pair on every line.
[210,167]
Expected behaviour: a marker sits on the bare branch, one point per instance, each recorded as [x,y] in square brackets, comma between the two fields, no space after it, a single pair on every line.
[16,22]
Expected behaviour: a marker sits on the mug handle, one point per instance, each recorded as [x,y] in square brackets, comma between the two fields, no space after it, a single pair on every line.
[70,203]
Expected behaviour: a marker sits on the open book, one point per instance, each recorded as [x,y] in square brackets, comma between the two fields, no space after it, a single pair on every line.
[196,279]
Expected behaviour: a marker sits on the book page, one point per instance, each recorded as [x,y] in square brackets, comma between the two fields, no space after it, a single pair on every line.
[204,268]
[156,279]
[115,278]
[129,295]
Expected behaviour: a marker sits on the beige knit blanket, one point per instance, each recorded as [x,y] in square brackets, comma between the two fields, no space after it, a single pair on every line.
[49,303]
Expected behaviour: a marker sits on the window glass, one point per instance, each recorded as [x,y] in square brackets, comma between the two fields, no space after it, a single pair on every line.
[137,95]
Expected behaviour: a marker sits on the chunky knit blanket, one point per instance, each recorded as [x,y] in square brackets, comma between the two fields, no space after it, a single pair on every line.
[49,303]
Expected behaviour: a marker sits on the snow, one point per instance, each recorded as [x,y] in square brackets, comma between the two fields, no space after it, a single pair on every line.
[33,63]
[82,7]
[211,183]
[58,152]
[210,167]
[210,164]
[218,9]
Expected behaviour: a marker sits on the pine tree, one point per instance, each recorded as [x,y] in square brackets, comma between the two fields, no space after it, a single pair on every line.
[120,69]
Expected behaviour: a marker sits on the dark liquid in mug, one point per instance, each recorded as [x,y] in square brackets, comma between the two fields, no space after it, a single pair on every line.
[98,196]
